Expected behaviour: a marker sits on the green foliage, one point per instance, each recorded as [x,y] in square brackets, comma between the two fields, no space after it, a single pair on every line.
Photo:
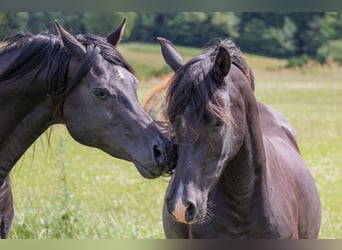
[185,23]
[3,24]
[299,61]
[101,23]
[225,23]
[268,36]
[331,50]
[282,35]
[185,28]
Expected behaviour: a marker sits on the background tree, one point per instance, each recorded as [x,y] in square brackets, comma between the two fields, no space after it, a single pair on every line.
[299,36]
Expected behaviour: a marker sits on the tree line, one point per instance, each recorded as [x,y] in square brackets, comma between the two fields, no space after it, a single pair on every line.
[299,36]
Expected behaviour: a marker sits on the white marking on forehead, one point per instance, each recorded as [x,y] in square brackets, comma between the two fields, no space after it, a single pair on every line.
[120,74]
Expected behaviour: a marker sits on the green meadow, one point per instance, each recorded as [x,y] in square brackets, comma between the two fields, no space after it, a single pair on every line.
[65,190]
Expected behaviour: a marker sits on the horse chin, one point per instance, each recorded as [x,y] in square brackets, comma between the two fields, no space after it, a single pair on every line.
[142,169]
[145,172]
[108,149]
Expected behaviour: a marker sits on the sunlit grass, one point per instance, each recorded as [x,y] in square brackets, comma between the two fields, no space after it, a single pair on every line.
[71,191]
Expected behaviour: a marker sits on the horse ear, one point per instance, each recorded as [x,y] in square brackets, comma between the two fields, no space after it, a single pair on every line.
[170,54]
[115,37]
[222,63]
[70,42]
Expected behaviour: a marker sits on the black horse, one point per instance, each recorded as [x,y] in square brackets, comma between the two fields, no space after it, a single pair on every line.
[239,172]
[82,82]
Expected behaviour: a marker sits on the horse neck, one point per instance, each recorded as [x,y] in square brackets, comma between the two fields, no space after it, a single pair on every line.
[241,179]
[7,58]
[23,120]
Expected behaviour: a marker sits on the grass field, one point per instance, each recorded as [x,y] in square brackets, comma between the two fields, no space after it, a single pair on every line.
[66,190]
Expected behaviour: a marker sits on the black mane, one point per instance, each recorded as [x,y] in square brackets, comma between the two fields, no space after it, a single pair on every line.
[46,50]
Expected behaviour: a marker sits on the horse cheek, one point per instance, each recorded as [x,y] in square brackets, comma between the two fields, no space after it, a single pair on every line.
[77,117]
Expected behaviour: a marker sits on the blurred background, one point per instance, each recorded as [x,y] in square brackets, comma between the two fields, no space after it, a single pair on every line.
[298,36]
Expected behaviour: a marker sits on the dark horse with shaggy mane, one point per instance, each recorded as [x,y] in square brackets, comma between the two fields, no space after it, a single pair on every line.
[84,83]
[239,172]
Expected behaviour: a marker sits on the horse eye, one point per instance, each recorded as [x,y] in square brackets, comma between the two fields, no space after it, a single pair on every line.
[100,93]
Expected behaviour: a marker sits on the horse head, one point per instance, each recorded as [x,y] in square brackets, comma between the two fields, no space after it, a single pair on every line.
[203,109]
[101,108]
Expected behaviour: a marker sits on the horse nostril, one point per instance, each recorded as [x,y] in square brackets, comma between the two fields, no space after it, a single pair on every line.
[157,154]
[190,212]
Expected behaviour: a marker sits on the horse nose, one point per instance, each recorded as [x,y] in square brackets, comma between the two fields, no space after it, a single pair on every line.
[158,155]
[190,212]
[185,213]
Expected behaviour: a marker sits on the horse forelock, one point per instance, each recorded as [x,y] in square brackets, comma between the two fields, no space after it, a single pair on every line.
[194,94]
[108,51]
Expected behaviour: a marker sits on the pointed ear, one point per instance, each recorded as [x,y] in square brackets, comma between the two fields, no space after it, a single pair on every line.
[70,42]
[222,63]
[115,37]
[170,54]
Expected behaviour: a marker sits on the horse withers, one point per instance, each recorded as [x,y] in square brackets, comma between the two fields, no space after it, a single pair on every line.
[83,82]
[239,172]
